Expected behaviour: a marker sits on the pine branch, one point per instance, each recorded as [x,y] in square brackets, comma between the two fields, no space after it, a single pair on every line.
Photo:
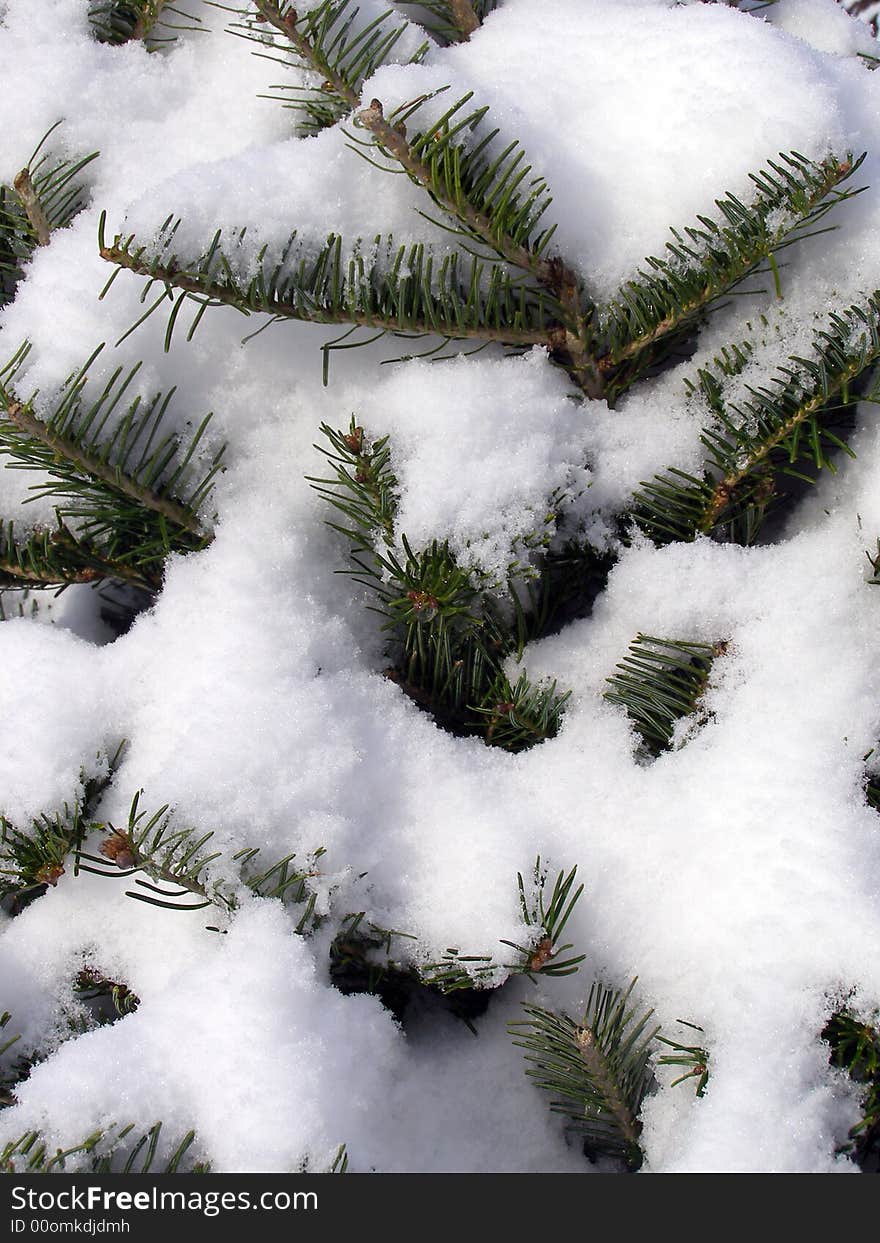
[33,859]
[45,195]
[333,41]
[30,862]
[93,986]
[406,290]
[781,427]
[543,957]
[108,1151]
[361,956]
[597,1070]
[692,1059]
[126,21]
[177,861]
[451,634]
[451,21]
[855,1046]
[705,262]
[129,494]
[660,683]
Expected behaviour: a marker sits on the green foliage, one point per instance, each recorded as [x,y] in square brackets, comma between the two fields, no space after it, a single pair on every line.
[499,286]
[127,492]
[31,860]
[108,1151]
[780,429]
[855,1046]
[660,683]
[153,21]
[45,195]
[548,919]
[13,1070]
[451,636]
[177,862]
[378,286]
[692,1058]
[491,191]
[708,260]
[329,40]
[110,999]
[596,1070]
[363,958]
[450,21]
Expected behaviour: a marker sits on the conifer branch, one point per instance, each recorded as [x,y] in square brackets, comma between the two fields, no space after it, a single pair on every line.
[118,488]
[660,683]
[692,1058]
[597,1070]
[128,21]
[482,194]
[780,428]
[177,861]
[34,859]
[451,634]
[329,40]
[707,261]
[406,290]
[103,1152]
[33,208]
[45,195]
[97,466]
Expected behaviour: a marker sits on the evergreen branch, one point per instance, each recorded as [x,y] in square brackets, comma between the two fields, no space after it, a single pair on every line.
[453,21]
[543,957]
[126,21]
[57,558]
[409,290]
[45,195]
[776,429]
[694,1059]
[597,1070]
[94,465]
[855,1046]
[522,714]
[177,861]
[496,204]
[705,262]
[452,637]
[92,985]
[33,208]
[128,493]
[492,197]
[329,40]
[660,683]
[34,859]
[102,1152]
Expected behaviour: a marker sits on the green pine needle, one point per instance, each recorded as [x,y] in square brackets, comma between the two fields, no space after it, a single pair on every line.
[125,498]
[45,196]
[597,1070]
[704,262]
[107,1151]
[782,428]
[329,40]
[152,21]
[660,683]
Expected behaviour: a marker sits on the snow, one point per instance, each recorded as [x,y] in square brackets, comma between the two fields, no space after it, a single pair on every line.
[737,875]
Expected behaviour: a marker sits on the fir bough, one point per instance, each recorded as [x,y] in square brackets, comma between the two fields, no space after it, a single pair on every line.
[597,1070]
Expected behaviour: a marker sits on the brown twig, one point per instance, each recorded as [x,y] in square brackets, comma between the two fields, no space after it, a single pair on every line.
[33,208]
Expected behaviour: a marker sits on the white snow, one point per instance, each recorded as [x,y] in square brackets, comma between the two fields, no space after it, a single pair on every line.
[738,876]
